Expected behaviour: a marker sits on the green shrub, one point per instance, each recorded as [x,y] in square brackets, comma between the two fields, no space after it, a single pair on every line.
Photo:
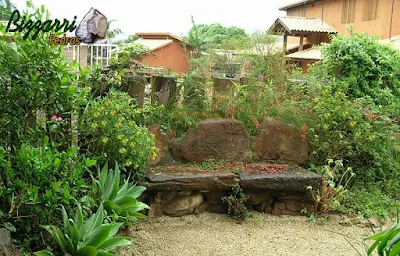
[34,76]
[365,66]
[353,130]
[109,133]
[34,182]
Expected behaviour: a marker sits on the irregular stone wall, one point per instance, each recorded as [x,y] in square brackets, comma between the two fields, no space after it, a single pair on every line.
[177,194]
[226,139]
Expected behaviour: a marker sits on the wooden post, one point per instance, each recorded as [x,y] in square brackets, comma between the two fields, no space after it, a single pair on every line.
[301,42]
[284,44]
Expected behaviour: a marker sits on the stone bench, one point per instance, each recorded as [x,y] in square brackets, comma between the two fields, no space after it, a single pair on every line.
[181,190]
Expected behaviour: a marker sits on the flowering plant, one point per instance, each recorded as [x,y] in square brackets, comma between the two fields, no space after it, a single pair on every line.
[110,133]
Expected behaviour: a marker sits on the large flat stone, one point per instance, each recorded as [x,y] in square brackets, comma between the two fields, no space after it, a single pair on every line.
[189,181]
[293,181]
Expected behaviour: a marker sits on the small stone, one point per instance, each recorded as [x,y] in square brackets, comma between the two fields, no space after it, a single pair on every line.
[167,196]
[184,193]
[156,209]
[158,197]
[183,205]
[256,198]
[215,197]
[201,208]
[7,248]
[294,206]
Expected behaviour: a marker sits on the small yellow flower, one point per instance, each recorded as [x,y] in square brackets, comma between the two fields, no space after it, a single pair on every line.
[121,119]
[113,112]
[122,150]
[105,140]
[132,144]
[337,108]
[119,137]
[344,114]
[108,103]
[131,123]
[352,124]
[103,123]
[371,137]
[358,134]
[125,141]
[128,163]
[327,115]
[118,125]
[326,127]
[96,114]
[136,166]
[93,125]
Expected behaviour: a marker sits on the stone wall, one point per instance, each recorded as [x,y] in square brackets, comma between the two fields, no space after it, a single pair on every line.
[226,139]
[274,181]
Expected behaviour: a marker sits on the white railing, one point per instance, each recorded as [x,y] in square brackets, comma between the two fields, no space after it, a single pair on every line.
[95,54]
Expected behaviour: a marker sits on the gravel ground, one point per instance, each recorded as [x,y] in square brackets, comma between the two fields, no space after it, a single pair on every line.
[262,234]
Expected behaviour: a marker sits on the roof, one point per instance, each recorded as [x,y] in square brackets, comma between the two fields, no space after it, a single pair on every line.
[394,42]
[307,54]
[153,44]
[293,25]
[166,34]
[296,4]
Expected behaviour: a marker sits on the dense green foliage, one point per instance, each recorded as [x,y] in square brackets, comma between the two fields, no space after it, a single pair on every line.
[43,96]
[109,133]
[364,67]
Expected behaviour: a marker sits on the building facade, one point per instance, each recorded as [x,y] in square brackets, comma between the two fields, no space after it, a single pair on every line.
[167,51]
[375,17]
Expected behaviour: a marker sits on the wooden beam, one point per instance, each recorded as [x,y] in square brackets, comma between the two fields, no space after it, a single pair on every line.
[301,43]
[284,43]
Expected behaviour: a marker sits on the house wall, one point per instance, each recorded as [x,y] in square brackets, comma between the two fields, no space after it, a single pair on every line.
[172,56]
[332,14]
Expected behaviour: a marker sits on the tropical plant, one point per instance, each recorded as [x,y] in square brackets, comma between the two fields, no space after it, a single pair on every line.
[84,238]
[198,37]
[121,201]
[387,242]
[112,33]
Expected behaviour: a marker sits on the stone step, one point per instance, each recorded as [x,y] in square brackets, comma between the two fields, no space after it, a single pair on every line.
[253,177]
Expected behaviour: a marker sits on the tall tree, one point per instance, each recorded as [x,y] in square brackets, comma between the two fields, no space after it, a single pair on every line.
[6,8]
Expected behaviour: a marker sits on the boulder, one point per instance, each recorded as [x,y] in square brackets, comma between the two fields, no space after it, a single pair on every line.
[182,205]
[280,142]
[219,139]
[7,248]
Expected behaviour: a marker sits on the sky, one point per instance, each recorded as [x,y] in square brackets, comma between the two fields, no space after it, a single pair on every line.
[169,15]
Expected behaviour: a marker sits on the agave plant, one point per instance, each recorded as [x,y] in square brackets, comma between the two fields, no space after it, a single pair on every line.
[387,242]
[89,238]
[121,201]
